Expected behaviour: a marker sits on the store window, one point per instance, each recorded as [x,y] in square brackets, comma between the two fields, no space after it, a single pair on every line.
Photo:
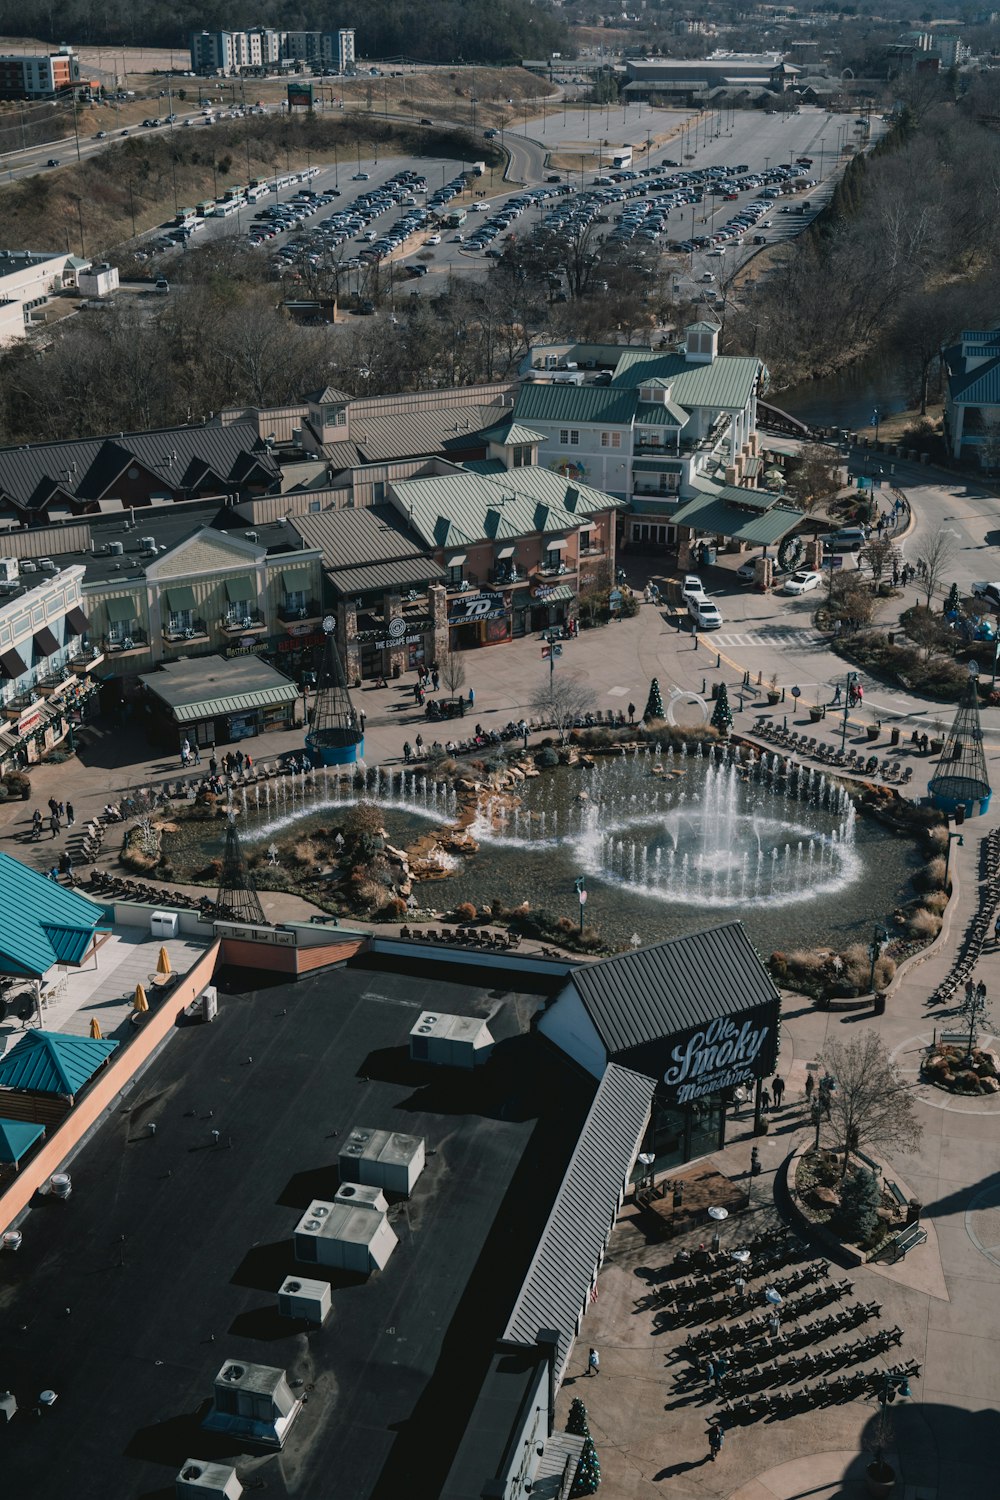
[569,437]
[455,575]
[611,439]
[180,621]
[295,601]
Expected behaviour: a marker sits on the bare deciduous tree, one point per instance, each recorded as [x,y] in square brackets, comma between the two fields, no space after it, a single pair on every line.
[562,701]
[878,554]
[934,558]
[872,1103]
[452,667]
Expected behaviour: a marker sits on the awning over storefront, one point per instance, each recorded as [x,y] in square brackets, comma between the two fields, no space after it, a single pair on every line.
[11,664]
[296,582]
[120,609]
[557,545]
[181,598]
[45,642]
[76,621]
[457,561]
[561,594]
[506,552]
[238,590]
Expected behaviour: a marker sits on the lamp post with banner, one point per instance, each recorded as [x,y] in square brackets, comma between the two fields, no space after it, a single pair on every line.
[581,895]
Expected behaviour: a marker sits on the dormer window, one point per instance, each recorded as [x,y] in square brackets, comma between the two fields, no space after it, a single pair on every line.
[654,394]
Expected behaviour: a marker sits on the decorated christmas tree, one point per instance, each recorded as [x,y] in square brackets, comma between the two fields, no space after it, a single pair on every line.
[588,1471]
[577,1420]
[654,703]
[951,604]
[722,714]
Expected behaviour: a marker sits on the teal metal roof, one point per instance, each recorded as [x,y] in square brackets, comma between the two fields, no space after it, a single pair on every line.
[561,594]
[44,923]
[664,506]
[728,382]
[661,414]
[716,516]
[575,403]
[512,434]
[50,1062]
[452,510]
[978,387]
[17,1138]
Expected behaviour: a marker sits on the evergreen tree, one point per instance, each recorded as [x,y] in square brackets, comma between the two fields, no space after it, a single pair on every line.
[577,1420]
[860,1200]
[588,1472]
[951,605]
[722,714]
[654,703]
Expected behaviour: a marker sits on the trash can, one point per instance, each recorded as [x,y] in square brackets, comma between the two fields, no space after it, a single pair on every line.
[878,1004]
[893,736]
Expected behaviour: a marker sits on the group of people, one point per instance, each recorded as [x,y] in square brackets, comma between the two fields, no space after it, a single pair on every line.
[58,812]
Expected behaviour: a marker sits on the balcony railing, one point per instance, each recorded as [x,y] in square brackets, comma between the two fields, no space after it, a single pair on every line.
[555,570]
[242,622]
[508,573]
[194,629]
[85,660]
[135,639]
[15,707]
[295,614]
[464,584]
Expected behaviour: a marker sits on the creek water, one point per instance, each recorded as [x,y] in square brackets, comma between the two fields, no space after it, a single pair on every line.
[848,398]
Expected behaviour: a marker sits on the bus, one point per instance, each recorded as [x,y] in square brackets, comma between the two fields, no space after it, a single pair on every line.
[456,218]
[185,218]
[206,209]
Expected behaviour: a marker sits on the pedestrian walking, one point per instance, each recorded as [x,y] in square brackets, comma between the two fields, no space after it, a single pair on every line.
[61,811]
[472,697]
[721,1371]
[420,744]
[777,1089]
[36,830]
[435,678]
[836,696]
[631,713]
[715,1437]
[53,806]
[54,824]
[213,764]
[197,755]
[407,751]
[593,1363]
[765,1101]
[70,815]
[362,716]
[248,764]
[810,1085]
[970,988]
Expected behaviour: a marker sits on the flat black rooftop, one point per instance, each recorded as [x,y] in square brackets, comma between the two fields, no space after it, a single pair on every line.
[165,1261]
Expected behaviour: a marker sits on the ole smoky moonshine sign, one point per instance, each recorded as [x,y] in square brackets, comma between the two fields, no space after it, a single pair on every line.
[729,1050]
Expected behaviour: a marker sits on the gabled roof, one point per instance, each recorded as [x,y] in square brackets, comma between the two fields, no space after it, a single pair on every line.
[728,382]
[87,467]
[44,923]
[671,987]
[52,1062]
[574,403]
[979,386]
[715,515]
[450,510]
[557,1286]
[328,396]
[357,537]
[511,434]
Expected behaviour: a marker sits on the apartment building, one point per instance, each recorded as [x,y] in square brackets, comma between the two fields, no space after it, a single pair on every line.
[38,75]
[263,47]
[345,51]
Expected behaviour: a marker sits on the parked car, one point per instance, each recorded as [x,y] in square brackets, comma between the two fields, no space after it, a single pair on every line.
[53,161]
[747,571]
[705,614]
[989,593]
[692,587]
[801,582]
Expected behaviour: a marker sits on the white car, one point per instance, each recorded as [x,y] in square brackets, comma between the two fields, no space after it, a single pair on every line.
[433,239]
[705,614]
[747,571]
[692,587]
[801,583]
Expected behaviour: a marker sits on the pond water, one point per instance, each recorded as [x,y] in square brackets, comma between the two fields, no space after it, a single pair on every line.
[667,843]
[848,398]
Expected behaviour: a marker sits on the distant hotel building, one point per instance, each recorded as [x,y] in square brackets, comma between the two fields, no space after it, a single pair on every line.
[264,48]
[38,76]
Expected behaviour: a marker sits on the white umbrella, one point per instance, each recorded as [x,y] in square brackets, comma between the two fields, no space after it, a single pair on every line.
[743,1256]
[718,1213]
[773,1296]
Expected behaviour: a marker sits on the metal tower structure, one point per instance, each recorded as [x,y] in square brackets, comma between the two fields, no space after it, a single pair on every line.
[961,778]
[335,736]
[237,900]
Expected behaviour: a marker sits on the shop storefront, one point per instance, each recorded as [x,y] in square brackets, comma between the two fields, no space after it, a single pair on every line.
[481,619]
[211,701]
[699,1014]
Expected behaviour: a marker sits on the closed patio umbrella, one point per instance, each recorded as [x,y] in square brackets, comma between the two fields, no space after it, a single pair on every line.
[95,1030]
[163,962]
[140,1003]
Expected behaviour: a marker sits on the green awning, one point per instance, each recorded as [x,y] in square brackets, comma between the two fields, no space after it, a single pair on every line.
[240,589]
[296,583]
[181,598]
[563,593]
[217,708]
[121,608]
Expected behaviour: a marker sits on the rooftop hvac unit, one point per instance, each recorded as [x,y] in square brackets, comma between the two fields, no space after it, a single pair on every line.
[309,1300]
[198,1478]
[210,1003]
[383,1159]
[352,1233]
[60,1185]
[252,536]
[147,544]
[163,924]
[116,548]
[252,1402]
[450,1041]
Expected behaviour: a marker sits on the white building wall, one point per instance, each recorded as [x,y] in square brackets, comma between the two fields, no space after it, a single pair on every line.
[568,1026]
[588,460]
[25,283]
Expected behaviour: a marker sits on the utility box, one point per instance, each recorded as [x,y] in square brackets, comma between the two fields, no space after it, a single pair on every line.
[163,924]
[309,1300]
[252,1403]
[200,1479]
[450,1041]
[9,570]
[352,1233]
[383,1159]
[210,1003]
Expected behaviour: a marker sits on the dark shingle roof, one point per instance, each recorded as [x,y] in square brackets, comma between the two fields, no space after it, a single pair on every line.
[557,1287]
[85,467]
[670,987]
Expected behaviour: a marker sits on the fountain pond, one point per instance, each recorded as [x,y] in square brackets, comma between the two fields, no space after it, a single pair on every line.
[668,843]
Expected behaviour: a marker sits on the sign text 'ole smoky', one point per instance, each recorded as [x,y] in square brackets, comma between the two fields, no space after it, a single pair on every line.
[720,1055]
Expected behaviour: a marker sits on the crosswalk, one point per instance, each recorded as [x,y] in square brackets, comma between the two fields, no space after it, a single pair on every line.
[755,639]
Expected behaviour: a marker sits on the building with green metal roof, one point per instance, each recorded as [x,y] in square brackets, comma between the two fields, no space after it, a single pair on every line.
[972,401]
[51,1062]
[16,1139]
[44,923]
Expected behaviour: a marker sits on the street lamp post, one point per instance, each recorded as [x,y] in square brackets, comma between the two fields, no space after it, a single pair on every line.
[876,418]
[581,895]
